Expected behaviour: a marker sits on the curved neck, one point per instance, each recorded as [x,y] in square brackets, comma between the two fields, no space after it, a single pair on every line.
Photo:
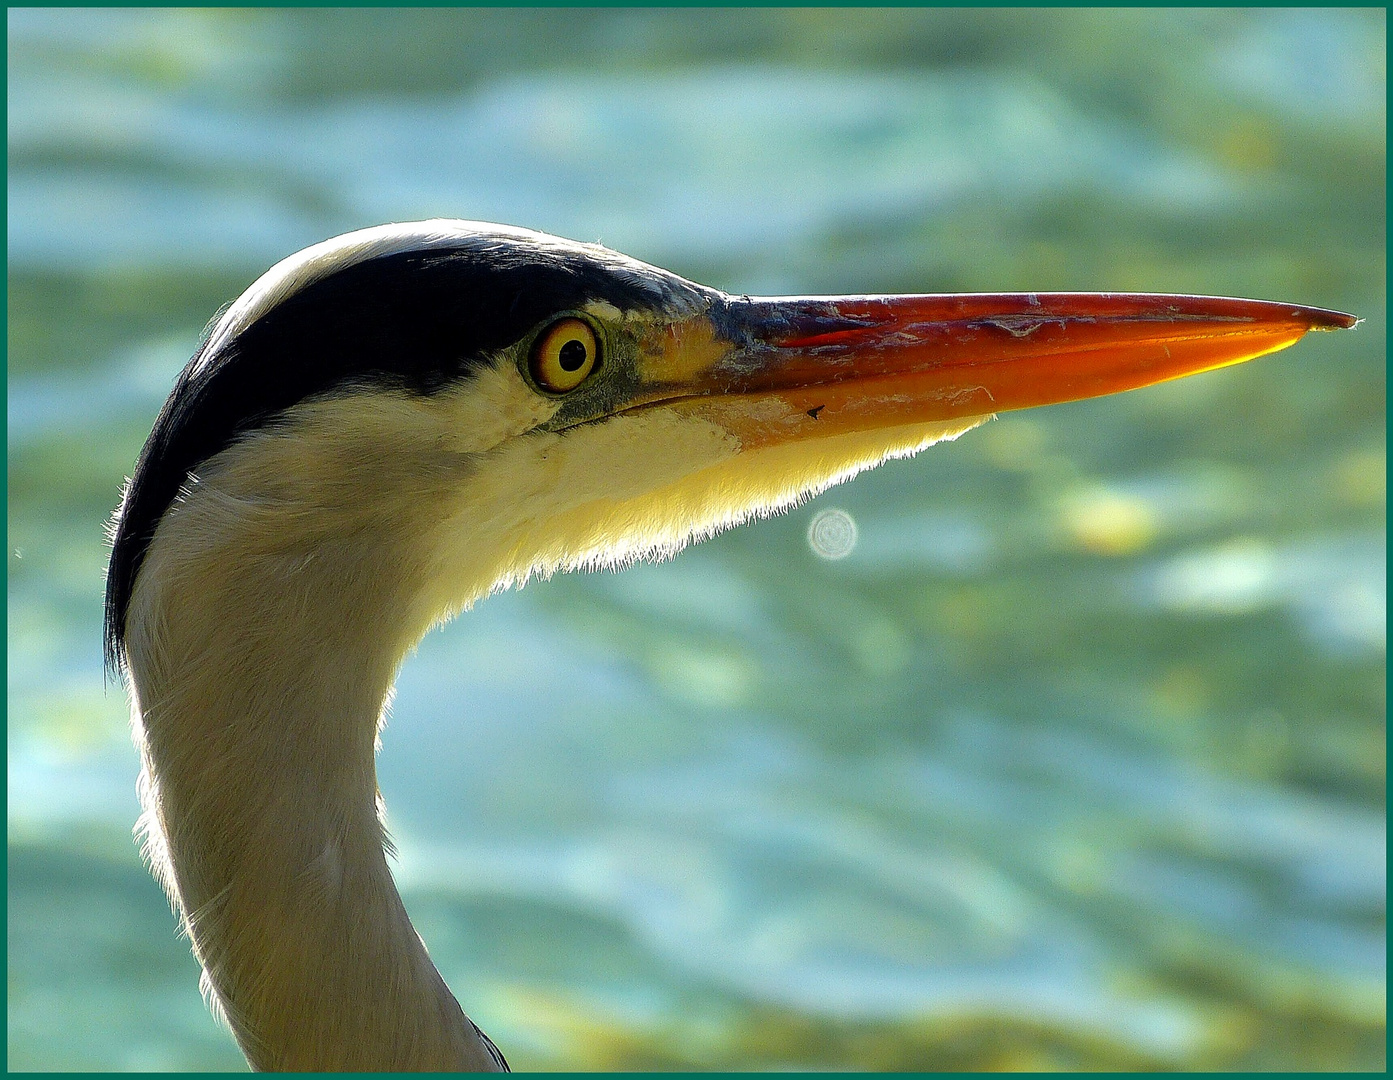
[257,699]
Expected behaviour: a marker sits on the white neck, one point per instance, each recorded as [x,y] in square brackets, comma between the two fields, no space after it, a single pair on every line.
[258,687]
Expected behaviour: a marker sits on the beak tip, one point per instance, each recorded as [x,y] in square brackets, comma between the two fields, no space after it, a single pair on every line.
[1326,319]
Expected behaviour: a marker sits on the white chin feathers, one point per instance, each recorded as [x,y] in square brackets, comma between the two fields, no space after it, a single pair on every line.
[648,505]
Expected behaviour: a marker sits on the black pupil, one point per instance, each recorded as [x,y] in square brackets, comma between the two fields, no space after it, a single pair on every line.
[572,355]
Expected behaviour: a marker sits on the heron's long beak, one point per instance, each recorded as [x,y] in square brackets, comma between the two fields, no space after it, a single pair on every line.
[788,368]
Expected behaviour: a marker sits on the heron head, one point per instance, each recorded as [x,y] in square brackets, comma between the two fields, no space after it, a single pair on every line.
[451,406]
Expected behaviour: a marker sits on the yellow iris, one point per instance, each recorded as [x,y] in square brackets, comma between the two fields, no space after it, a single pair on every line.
[564,355]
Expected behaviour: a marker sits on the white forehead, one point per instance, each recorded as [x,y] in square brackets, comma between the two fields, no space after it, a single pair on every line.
[297,271]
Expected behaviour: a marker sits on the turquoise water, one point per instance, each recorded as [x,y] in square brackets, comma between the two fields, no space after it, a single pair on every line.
[1075,760]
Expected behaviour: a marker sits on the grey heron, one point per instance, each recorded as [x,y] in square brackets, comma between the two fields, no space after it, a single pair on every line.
[390,425]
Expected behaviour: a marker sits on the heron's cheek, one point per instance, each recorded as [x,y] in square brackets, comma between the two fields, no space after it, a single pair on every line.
[489,409]
[598,477]
[598,494]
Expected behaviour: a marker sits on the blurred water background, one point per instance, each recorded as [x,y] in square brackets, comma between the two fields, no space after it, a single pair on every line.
[1074,759]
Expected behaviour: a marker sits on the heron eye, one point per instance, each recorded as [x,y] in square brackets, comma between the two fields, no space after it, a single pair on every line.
[564,355]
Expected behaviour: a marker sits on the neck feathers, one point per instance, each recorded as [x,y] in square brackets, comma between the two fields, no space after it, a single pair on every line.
[263,639]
